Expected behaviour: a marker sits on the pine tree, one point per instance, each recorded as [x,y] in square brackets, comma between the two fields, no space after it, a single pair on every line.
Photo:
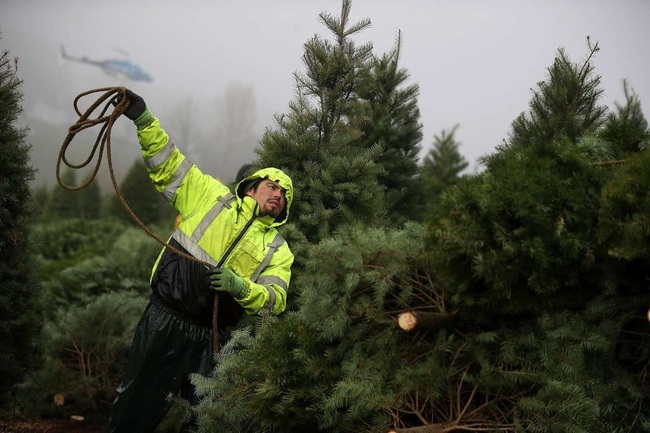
[85,351]
[331,366]
[94,278]
[566,104]
[335,174]
[389,115]
[19,295]
[63,203]
[441,168]
[349,125]
[627,127]
[526,260]
[90,201]
[81,259]
[526,227]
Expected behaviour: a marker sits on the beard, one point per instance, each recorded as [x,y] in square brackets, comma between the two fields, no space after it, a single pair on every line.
[271,210]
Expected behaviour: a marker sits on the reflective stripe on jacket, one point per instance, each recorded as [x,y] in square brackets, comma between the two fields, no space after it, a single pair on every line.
[218,228]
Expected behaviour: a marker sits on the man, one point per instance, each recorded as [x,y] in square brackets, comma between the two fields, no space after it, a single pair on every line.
[250,270]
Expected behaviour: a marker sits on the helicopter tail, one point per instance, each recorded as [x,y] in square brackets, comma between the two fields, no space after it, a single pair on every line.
[62,53]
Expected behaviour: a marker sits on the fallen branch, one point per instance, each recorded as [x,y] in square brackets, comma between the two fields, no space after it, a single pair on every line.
[431,428]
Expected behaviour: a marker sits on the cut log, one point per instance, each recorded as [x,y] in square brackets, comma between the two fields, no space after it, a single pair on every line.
[412,320]
[61,398]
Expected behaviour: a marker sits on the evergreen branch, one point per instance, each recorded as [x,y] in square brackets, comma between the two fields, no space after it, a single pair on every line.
[395,53]
[593,49]
[609,163]
[427,292]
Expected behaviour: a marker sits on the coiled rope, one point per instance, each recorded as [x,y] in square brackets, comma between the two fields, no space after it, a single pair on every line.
[114,97]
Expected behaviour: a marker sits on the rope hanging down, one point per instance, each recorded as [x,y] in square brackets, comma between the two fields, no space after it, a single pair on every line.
[114,97]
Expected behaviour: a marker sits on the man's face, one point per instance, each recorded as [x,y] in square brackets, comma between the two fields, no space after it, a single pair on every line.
[269,197]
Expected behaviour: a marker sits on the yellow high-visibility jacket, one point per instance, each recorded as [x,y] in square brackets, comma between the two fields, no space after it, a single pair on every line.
[219,228]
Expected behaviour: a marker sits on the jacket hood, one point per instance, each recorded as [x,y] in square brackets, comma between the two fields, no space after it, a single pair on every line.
[276,175]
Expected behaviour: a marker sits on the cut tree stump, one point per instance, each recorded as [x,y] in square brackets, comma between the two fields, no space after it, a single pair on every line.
[412,320]
[61,398]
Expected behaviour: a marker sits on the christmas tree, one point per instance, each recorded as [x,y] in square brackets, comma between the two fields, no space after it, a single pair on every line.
[19,295]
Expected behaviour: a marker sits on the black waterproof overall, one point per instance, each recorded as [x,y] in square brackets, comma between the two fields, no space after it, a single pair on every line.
[165,350]
[167,347]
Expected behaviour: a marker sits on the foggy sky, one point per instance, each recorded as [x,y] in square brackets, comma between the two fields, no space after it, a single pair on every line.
[474,60]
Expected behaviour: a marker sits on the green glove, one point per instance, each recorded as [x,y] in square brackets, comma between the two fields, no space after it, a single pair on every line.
[224,280]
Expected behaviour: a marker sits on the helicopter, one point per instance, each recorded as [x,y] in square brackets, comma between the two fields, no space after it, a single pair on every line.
[113,67]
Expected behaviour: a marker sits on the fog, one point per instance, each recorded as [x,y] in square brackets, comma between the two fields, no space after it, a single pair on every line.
[475,62]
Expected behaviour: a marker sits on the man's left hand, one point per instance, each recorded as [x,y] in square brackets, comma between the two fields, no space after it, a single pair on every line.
[225,280]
